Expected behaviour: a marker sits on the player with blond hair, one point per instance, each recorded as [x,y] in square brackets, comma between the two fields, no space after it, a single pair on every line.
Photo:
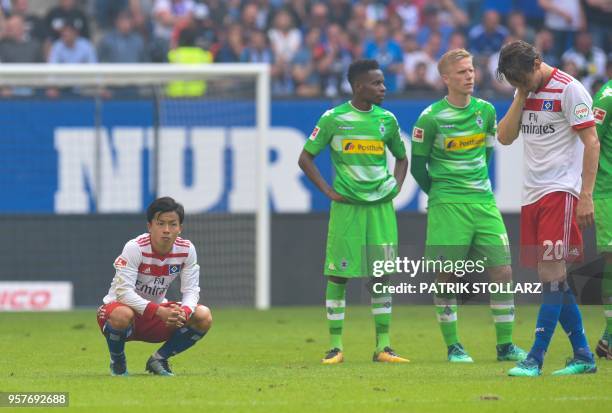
[452,143]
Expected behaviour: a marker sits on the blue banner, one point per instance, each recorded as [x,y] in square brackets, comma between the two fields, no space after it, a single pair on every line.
[54,158]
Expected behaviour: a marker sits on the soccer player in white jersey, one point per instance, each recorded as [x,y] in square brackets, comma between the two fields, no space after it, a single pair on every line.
[551,111]
[135,308]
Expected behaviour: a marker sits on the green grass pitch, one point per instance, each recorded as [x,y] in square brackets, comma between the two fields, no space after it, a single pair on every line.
[269,362]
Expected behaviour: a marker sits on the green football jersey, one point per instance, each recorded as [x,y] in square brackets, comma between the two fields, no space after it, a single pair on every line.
[357,141]
[602,108]
[454,140]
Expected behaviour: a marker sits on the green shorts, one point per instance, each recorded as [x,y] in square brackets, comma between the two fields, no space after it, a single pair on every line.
[357,236]
[603,224]
[462,231]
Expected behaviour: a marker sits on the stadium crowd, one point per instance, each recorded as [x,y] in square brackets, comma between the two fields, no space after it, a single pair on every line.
[310,44]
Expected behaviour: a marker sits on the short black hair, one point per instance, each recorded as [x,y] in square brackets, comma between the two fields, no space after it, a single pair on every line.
[359,67]
[187,37]
[165,204]
[516,60]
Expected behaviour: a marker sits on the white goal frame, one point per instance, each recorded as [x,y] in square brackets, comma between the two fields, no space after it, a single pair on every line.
[99,75]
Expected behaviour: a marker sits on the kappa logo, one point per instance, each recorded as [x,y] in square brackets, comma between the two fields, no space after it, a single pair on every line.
[417,134]
[548,105]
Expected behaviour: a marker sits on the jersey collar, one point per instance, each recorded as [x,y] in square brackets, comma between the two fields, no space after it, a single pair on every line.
[359,110]
[547,81]
[455,106]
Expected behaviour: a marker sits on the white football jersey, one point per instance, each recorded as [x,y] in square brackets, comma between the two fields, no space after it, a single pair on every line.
[143,277]
[552,148]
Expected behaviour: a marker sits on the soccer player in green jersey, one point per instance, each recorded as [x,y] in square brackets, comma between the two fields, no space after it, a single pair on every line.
[602,197]
[362,219]
[452,142]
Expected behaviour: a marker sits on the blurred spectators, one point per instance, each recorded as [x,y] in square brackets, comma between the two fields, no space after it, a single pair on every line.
[34,27]
[533,12]
[590,61]
[358,27]
[122,44]
[339,12]
[335,62]
[487,37]
[66,13]
[106,12]
[310,43]
[500,86]
[71,47]
[387,52]
[598,14]
[563,18]
[451,15]
[299,11]
[16,46]
[517,26]
[433,24]
[409,13]
[413,57]
[258,50]
[285,38]
[545,43]
[188,53]
[318,17]
[457,41]
[231,45]
[306,77]
[166,15]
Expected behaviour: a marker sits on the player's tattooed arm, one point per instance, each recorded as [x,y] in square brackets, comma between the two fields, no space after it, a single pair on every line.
[590,159]
[509,127]
[306,163]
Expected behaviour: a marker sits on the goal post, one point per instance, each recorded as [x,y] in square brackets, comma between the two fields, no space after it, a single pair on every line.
[228,87]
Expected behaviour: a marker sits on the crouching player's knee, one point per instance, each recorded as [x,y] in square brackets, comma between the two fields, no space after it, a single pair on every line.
[121,317]
[201,319]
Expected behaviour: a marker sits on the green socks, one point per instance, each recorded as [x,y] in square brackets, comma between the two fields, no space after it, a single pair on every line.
[335,303]
[502,310]
[381,310]
[446,311]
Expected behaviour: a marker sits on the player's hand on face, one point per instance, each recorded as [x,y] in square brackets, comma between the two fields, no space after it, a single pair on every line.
[522,92]
[585,215]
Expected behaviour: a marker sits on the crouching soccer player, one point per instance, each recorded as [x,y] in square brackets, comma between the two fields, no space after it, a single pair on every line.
[135,309]
[362,219]
[602,197]
[552,112]
[452,142]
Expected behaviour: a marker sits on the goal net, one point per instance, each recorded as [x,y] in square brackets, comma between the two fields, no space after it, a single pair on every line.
[85,148]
